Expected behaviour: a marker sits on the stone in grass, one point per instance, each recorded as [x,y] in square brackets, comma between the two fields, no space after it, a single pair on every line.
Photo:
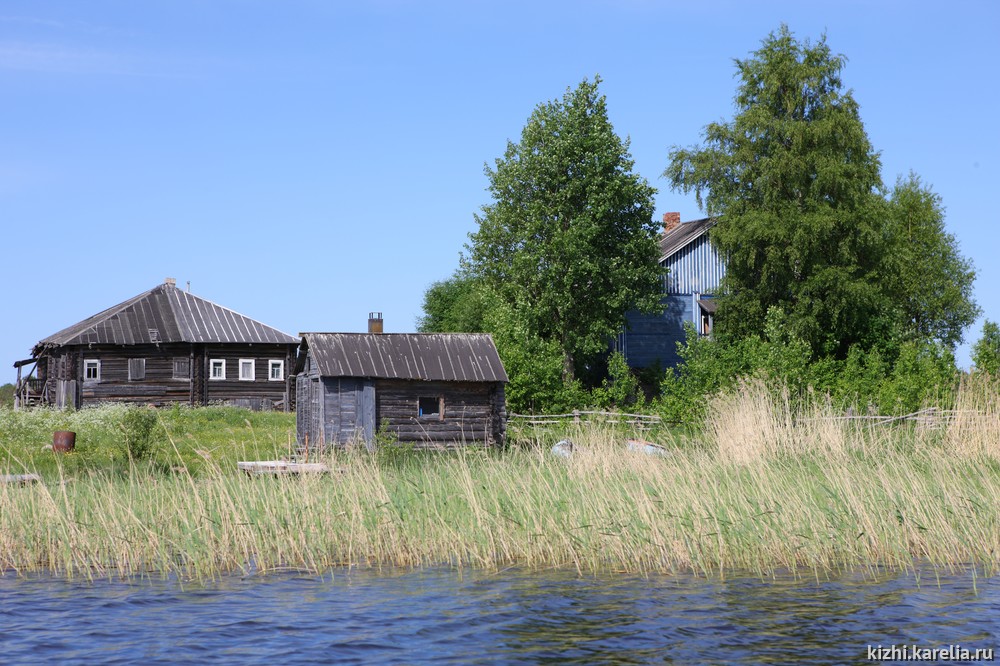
[563,448]
[648,448]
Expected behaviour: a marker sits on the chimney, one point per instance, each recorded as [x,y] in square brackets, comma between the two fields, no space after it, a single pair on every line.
[170,282]
[375,323]
[670,222]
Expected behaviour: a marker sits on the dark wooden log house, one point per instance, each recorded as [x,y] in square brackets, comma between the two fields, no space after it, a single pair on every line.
[162,347]
[429,389]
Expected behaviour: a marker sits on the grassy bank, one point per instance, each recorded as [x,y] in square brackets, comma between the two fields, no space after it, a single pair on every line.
[767,487]
[111,437]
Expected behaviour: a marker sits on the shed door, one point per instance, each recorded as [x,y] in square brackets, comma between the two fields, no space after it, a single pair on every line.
[341,409]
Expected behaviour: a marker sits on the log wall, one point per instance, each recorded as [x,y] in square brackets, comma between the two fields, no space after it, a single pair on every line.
[158,384]
[470,411]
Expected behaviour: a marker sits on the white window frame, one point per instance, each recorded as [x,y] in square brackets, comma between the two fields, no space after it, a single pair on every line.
[271,365]
[211,369]
[253,369]
[87,364]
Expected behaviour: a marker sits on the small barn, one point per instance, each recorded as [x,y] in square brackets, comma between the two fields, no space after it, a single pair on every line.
[163,346]
[431,389]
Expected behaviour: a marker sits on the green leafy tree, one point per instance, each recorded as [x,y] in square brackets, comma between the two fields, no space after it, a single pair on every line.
[569,242]
[986,351]
[455,305]
[933,281]
[797,184]
[463,303]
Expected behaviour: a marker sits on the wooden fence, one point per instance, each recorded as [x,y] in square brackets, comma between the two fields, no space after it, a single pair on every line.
[931,417]
[640,422]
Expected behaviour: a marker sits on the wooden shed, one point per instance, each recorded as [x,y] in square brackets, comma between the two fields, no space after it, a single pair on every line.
[431,389]
[164,346]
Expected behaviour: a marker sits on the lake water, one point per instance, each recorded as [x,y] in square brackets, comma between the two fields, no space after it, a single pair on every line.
[443,615]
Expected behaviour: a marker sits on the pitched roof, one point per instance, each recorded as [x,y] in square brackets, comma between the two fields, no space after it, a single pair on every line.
[683,235]
[463,357]
[166,314]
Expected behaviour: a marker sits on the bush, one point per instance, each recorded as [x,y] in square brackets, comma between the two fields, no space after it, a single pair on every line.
[621,389]
[142,434]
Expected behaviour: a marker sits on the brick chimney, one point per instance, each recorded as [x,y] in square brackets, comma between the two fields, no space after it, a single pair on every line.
[170,282]
[670,222]
[375,323]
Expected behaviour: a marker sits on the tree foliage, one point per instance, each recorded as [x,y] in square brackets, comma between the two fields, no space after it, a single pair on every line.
[932,285]
[805,223]
[464,304]
[796,180]
[986,351]
[568,243]
[455,305]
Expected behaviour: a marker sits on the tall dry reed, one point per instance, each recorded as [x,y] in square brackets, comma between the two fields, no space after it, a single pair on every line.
[773,485]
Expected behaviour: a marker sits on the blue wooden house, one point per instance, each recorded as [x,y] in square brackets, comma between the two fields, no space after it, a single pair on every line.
[694,271]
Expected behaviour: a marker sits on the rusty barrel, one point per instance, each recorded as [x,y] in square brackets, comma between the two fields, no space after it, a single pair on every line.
[63,441]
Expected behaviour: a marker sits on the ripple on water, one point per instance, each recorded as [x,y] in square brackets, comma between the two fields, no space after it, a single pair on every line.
[512,616]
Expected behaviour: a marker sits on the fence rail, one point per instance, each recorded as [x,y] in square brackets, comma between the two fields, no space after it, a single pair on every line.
[931,417]
[640,422]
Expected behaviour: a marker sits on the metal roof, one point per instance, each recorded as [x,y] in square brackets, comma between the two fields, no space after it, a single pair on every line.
[460,357]
[166,314]
[708,305]
[682,235]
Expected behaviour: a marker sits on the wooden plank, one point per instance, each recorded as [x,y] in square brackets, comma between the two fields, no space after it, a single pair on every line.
[280,467]
[21,479]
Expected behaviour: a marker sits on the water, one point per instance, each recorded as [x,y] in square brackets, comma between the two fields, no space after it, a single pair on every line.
[467,616]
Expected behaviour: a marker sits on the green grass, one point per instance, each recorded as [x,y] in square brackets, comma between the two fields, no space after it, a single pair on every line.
[184,438]
[765,488]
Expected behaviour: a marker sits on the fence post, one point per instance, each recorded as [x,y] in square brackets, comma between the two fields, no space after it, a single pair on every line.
[576,416]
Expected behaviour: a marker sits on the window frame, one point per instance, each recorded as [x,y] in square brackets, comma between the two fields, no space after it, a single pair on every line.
[211,369]
[276,363]
[253,370]
[431,416]
[97,369]
[187,363]
[137,362]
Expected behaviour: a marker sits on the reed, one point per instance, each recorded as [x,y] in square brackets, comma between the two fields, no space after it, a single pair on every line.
[770,486]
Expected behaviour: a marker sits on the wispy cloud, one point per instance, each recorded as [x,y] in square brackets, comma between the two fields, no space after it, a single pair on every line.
[56,58]
[59,58]
[72,25]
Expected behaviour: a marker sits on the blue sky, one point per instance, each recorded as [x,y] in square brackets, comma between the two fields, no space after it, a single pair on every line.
[305,163]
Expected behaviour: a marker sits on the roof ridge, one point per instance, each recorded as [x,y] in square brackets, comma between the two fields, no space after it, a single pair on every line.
[223,307]
[680,237]
[211,322]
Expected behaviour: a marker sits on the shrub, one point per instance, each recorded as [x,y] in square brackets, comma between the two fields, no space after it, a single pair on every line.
[621,389]
[142,434]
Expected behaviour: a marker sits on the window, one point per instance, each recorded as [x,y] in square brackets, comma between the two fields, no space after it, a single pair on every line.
[248,369]
[430,408]
[217,368]
[182,367]
[92,370]
[275,370]
[136,369]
